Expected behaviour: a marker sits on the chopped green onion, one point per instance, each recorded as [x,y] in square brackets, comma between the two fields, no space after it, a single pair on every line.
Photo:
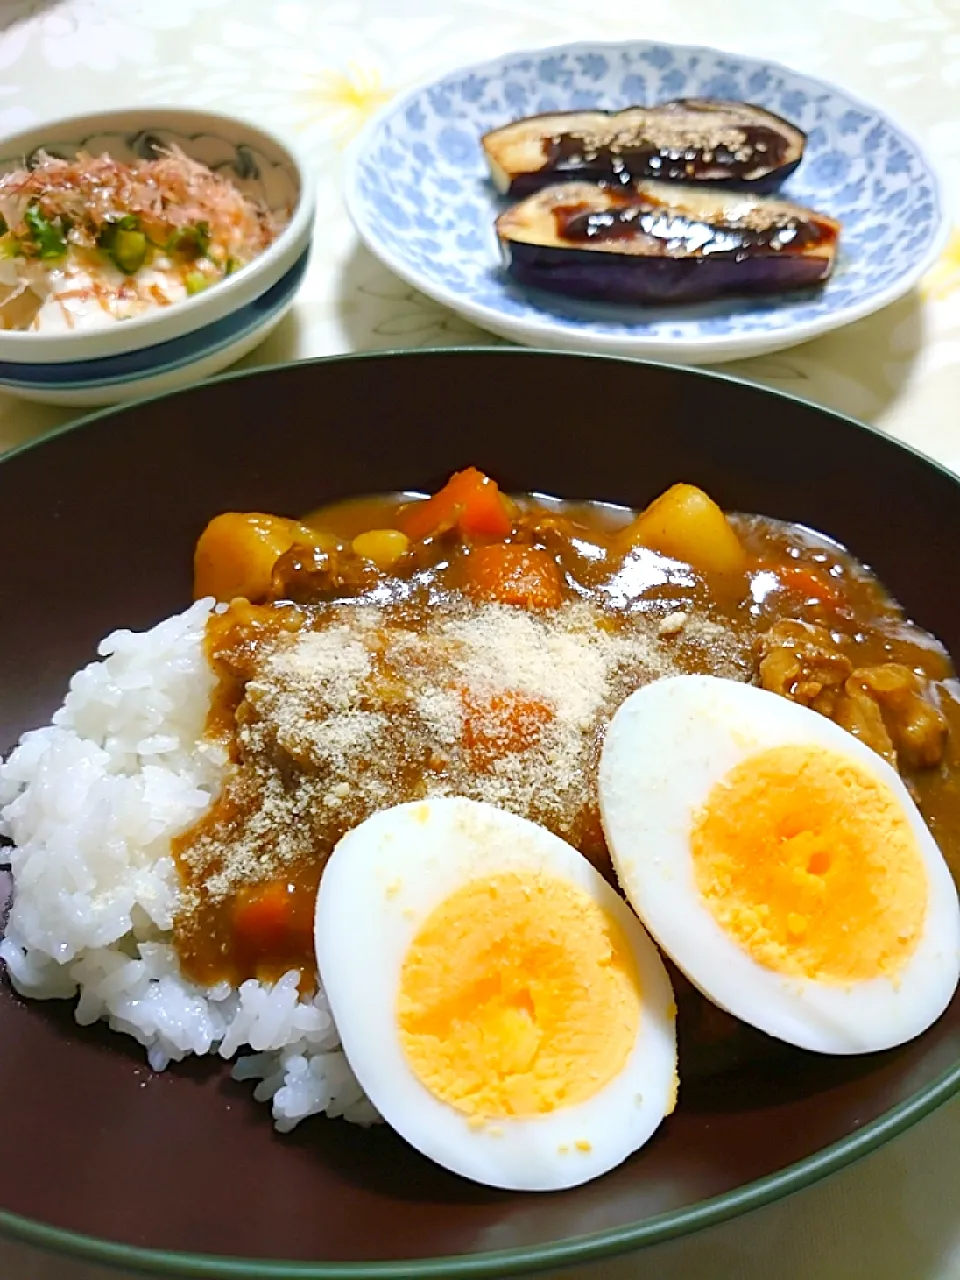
[193,241]
[123,241]
[46,233]
[196,282]
[129,250]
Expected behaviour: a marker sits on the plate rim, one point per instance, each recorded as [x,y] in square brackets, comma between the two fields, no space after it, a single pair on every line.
[705,347]
[528,1259]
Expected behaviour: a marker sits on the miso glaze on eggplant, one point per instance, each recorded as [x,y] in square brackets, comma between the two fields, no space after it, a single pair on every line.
[688,140]
[661,243]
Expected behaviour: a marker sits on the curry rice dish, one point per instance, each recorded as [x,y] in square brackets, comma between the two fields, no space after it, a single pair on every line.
[396,675]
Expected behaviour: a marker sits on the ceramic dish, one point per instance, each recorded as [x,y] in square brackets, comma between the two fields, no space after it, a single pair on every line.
[182,1174]
[418,192]
[192,339]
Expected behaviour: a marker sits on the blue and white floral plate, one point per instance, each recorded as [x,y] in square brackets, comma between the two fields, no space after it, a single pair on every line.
[418,192]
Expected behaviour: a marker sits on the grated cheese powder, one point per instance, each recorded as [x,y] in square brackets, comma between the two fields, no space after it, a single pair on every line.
[370,707]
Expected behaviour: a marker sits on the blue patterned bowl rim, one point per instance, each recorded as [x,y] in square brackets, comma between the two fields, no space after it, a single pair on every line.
[128,367]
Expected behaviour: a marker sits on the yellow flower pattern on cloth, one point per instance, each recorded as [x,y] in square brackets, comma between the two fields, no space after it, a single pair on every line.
[345,100]
[943,278]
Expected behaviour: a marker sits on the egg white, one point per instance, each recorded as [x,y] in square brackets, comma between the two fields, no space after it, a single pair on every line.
[382,881]
[666,747]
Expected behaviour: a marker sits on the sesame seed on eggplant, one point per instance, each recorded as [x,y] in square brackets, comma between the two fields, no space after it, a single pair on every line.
[702,140]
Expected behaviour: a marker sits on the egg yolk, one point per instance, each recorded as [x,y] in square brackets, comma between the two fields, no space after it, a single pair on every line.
[518,995]
[809,862]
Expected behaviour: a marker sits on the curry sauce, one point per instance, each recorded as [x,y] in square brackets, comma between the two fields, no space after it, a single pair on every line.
[486,662]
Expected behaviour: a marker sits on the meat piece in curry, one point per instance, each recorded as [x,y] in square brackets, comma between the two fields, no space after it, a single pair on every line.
[888,705]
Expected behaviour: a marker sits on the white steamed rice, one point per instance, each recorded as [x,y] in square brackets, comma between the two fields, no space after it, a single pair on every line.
[91,804]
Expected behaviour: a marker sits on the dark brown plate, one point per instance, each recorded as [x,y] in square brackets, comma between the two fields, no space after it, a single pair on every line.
[181,1173]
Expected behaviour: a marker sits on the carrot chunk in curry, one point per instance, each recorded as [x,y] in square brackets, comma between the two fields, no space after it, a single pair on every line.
[512,574]
[501,724]
[469,501]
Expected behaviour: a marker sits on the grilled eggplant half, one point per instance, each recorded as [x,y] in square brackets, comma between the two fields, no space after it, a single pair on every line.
[687,140]
[657,242]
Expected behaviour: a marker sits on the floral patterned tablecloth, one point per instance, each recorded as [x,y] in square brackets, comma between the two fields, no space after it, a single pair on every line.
[318,68]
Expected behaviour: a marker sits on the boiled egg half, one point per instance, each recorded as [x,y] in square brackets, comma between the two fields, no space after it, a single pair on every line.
[500,1004]
[780,863]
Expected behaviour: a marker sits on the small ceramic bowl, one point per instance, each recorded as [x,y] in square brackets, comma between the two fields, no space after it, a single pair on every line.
[188,340]
[419,194]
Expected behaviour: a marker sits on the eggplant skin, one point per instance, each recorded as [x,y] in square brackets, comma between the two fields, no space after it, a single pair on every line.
[659,281]
[704,140]
[659,244]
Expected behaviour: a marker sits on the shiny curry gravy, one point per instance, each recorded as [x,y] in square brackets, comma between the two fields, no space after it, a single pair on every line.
[809,622]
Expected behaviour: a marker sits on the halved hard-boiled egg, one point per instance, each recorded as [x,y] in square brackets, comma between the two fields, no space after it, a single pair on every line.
[500,1004]
[780,863]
